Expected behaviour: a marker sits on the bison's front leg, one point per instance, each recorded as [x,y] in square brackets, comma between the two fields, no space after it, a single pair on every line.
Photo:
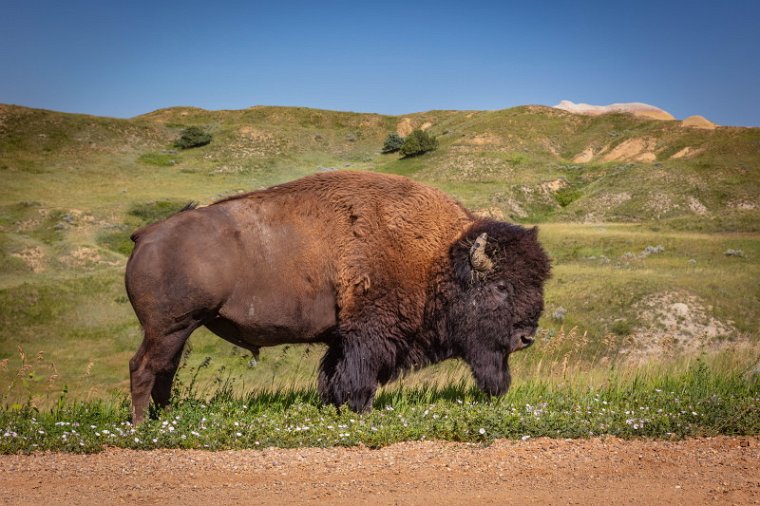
[349,373]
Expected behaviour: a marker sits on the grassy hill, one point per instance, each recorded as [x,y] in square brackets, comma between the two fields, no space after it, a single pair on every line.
[654,228]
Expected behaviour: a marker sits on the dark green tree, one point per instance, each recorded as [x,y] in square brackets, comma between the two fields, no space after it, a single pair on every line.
[192,137]
[417,143]
[393,143]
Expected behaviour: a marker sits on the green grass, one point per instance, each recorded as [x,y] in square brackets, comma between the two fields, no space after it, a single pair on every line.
[697,398]
[159,159]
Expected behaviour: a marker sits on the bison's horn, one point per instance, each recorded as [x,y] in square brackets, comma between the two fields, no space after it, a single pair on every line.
[478,257]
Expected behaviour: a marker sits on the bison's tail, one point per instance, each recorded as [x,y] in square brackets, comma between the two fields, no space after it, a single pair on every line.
[189,206]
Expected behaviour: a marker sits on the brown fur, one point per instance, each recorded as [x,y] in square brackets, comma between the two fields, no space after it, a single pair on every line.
[354,259]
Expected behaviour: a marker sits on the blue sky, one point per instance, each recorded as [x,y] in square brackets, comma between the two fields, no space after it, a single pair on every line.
[127,58]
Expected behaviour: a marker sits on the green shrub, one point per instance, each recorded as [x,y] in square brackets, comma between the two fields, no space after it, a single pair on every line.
[192,137]
[418,142]
[392,143]
[567,196]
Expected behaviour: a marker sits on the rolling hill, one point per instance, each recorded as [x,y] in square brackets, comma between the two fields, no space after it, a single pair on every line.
[530,163]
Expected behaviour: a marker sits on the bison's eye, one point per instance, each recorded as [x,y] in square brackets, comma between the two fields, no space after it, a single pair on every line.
[503,287]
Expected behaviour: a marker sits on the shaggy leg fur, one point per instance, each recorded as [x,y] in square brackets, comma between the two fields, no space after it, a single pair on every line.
[327,367]
[152,369]
[349,374]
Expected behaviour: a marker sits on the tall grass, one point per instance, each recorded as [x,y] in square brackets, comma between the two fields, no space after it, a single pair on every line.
[706,394]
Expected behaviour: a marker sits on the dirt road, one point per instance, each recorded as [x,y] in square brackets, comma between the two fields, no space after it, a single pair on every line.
[543,471]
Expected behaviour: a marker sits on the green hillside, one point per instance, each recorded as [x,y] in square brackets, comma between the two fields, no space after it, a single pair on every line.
[653,228]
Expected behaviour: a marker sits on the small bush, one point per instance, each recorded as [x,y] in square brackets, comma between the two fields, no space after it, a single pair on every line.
[392,143]
[567,196]
[192,137]
[417,143]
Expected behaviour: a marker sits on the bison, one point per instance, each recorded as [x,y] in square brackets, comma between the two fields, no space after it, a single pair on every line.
[390,274]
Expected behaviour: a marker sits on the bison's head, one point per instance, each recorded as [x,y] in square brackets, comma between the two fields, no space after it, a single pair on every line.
[500,270]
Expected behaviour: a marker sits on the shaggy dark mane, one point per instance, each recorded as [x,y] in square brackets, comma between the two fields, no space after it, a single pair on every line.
[514,249]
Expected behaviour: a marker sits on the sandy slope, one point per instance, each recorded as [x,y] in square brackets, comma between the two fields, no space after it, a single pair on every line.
[635,108]
[544,471]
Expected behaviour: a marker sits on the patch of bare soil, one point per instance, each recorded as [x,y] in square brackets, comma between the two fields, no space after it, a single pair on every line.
[599,205]
[660,203]
[636,149]
[484,139]
[678,322]
[553,186]
[492,212]
[405,127]
[687,152]
[696,206]
[33,257]
[584,156]
[745,205]
[636,108]
[543,471]
[84,256]
[698,122]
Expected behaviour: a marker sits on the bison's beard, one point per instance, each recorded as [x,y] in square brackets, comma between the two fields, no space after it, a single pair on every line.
[491,371]
[477,340]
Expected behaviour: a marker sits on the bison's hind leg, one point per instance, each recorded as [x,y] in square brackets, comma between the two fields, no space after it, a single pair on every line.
[152,369]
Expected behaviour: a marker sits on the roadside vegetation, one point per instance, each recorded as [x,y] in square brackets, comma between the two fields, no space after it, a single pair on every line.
[703,396]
